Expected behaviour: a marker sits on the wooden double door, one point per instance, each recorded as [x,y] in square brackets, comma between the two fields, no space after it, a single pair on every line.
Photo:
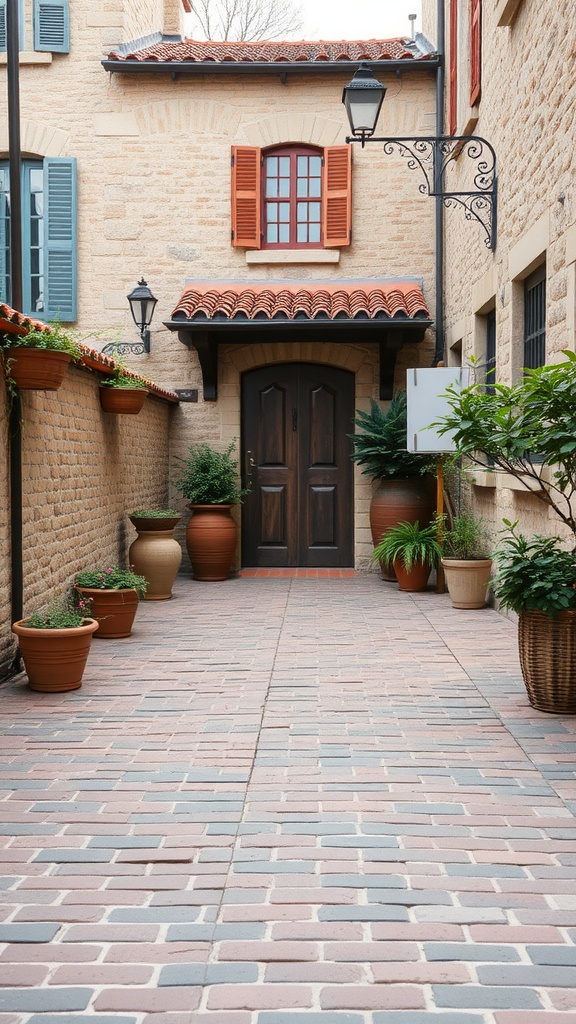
[296,418]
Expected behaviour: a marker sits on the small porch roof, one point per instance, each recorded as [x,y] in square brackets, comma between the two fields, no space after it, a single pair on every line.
[390,312]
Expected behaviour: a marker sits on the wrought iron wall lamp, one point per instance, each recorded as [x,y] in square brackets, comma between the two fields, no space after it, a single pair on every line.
[363,98]
[142,305]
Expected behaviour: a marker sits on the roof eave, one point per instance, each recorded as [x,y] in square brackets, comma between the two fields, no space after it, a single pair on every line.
[176,68]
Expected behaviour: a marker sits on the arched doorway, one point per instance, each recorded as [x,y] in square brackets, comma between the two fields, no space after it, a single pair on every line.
[296,418]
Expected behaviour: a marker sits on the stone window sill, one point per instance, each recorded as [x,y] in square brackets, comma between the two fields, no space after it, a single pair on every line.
[497,478]
[284,256]
[29,57]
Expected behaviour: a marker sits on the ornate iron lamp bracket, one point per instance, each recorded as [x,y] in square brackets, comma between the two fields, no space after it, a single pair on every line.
[125,348]
[433,154]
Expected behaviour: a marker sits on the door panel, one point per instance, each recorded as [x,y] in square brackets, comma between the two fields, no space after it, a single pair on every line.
[295,422]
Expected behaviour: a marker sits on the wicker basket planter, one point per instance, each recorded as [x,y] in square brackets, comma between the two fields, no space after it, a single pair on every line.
[547,648]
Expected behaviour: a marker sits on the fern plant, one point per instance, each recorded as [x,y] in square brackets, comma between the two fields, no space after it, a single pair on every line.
[411,544]
[210,477]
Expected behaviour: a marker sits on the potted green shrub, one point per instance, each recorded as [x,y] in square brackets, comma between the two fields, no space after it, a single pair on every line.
[39,358]
[528,430]
[209,480]
[406,489]
[413,550]
[122,391]
[467,564]
[55,642]
[114,593]
[155,553]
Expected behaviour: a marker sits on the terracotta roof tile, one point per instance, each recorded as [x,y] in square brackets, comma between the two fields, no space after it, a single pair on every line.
[368,300]
[12,322]
[199,51]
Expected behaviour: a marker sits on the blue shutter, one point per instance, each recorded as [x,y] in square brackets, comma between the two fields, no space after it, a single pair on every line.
[2,25]
[3,295]
[51,26]
[60,256]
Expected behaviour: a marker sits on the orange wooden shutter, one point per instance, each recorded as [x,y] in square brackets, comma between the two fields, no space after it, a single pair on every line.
[246,196]
[475,51]
[337,195]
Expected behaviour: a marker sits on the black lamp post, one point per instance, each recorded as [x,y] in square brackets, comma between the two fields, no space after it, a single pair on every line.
[363,98]
[142,306]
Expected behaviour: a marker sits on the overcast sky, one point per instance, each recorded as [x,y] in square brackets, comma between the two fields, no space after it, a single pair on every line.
[355,19]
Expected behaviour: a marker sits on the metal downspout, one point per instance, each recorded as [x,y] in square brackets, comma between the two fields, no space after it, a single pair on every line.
[15,424]
[439,211]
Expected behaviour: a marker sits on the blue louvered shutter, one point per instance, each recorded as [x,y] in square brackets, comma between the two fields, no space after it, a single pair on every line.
[3,25]
[60,255]
[3,291]
[51,26]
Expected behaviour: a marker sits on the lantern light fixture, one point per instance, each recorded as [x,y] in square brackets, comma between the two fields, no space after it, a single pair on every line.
[142,305]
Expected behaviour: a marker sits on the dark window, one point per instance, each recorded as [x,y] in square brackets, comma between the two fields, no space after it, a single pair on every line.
[292,200]
[491,350]
[535,319]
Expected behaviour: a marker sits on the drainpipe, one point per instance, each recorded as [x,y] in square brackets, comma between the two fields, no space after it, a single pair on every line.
[12,58]
[439,211]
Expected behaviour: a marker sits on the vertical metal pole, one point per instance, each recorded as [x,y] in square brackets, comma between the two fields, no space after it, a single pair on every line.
[440,581]
[15,163]
[439,211]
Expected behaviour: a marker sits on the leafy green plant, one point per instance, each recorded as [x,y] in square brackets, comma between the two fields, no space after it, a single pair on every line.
[54,339]
[154,513]
[210,477]
[410,543]
[69,613]
[520,427]
[534,574]
[381,447]
[466,537]
[113,578]
[122,377]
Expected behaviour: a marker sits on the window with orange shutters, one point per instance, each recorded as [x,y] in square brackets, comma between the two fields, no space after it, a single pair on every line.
[291,197]
[475,50]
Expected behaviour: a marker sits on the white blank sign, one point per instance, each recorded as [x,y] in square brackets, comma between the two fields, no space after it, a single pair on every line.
[426,403]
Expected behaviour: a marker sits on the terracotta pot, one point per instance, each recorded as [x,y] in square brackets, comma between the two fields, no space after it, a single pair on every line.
[55,659]
[211,541]
[114,610]
[414,580]
[397,501]
[128,401]
[467,581]
[156,555]
[547,649]
[36,368]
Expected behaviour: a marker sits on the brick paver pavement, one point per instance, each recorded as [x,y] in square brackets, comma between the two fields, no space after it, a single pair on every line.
[290,801]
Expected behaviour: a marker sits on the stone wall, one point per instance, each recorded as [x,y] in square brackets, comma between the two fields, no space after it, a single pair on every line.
[527,111]
[83,470]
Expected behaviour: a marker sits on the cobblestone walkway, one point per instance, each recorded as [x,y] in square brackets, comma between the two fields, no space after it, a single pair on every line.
[290,801]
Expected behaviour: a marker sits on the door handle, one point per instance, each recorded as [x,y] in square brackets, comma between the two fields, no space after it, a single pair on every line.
[249,465]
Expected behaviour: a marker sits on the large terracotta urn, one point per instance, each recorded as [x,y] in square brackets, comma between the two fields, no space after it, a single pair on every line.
[211,537]
[156,555]
[401,500]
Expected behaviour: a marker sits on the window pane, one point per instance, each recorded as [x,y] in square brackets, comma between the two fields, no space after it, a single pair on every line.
[302,212]
[302,167]
[271,188]
[272,166]
[284,188]
[271,213]
[302,233]
[315,166]
[284,233]
[314,233]
[36,180]
[284,166]
[272,233]
[284,212]
[314,209]
[302,187]
[315,187]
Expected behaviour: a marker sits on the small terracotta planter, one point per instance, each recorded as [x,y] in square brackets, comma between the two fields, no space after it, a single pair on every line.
[55,659]
[35,368]
[123,401]
[415,580]
[114,610]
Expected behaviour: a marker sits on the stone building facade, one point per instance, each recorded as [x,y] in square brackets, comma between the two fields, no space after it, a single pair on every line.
[151,125]
[512,83]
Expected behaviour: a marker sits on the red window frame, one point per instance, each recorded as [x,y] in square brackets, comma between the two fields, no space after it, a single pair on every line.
[293,200]
[475,51]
